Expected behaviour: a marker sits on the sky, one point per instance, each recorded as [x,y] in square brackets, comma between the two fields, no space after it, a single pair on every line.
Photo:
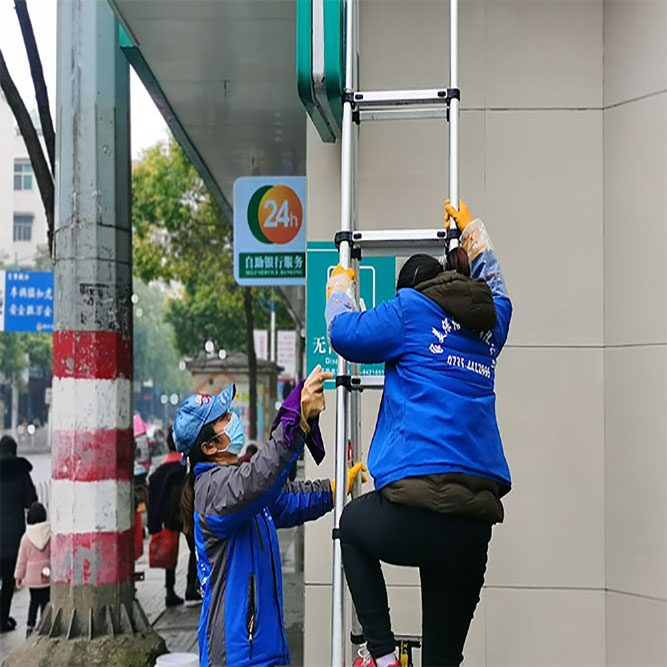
[148,127]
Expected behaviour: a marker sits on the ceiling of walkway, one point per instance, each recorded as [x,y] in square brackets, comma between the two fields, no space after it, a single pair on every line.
[227,69]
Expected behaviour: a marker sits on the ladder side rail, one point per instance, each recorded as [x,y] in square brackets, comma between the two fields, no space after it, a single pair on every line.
[337,581]
[347,210]
[453,115]
[356,630]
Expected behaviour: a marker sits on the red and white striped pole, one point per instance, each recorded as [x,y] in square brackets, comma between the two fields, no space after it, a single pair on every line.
[92,500]
[93,513]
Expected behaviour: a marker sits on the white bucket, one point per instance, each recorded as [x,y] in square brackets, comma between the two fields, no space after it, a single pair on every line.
[178,660]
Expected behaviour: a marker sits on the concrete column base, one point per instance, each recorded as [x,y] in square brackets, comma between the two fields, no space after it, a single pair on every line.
[137,650]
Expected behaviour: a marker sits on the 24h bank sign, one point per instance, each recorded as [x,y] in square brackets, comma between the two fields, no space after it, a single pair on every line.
[26,301]
[270,230]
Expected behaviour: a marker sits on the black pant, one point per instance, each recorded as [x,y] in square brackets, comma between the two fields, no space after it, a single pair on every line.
[7,567]
[39,598]
[192,580]
[450,553]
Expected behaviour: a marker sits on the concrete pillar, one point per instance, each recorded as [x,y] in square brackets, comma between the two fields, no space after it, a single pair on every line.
[92,516]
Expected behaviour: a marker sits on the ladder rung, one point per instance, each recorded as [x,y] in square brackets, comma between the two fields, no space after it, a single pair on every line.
[397,242]
[361,382]
[404,113]
[391,99]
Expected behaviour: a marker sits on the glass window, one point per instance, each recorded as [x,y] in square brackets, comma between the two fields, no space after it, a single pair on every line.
[22,175]
[23,226]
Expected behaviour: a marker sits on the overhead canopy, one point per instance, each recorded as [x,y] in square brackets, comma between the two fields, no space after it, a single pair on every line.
[224,74]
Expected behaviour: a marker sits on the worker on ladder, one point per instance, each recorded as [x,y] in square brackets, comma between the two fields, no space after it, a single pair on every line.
[436,455]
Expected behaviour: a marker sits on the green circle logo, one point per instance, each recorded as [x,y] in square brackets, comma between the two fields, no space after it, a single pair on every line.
[253,213]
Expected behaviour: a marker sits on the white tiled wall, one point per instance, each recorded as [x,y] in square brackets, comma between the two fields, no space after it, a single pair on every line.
[571,180]
[636,469]
[550,407]
[544,212]
[545,628]
[544,54]
[636,631]
[635,174]
[635,304]
[635,49]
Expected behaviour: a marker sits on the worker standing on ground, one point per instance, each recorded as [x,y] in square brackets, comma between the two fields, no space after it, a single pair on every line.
[235,510]
[436,455]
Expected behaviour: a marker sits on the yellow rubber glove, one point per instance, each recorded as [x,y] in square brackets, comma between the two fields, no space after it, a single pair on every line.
[462,217]
[352,473]
[341,280]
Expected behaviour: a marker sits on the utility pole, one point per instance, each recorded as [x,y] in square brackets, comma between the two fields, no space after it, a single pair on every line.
[272,334]
[92,545]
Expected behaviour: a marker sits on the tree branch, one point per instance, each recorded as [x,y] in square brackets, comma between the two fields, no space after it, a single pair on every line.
[40,167]
[41,92]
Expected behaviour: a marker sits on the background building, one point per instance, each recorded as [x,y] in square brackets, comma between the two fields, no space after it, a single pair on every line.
[22,219]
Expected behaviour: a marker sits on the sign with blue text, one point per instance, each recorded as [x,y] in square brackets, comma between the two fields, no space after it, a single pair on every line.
[377,283]
[26,301]
[270,230]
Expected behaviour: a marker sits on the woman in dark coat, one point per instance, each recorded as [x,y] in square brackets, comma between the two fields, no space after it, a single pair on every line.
[17,493]
[164,494]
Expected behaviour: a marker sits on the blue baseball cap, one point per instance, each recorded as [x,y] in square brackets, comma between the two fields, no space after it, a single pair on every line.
[195,412]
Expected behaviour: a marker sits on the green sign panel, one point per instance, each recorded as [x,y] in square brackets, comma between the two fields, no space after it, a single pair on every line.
[377,283]
[272,264]
[320,63]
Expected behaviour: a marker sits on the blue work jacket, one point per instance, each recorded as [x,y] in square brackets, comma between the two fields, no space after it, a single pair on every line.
[438,409]
[237,511]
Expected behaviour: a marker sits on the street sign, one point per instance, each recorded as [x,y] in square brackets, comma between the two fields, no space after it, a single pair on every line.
[377,283]
[28,301]
[270,230]
[261,337]
[286,353]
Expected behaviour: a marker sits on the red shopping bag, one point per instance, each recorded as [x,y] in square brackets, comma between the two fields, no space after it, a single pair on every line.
[138,536]
[163,549]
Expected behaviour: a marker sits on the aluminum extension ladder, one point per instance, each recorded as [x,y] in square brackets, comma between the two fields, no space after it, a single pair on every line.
[360,107]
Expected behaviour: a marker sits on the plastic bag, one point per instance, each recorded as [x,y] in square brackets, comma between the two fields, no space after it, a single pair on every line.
[163,549]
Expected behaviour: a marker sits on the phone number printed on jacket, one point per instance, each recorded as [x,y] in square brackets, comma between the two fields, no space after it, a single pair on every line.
[469,365]
[449,326]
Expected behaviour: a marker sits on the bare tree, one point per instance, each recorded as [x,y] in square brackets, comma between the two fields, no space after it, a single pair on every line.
[44,175]
[37,74]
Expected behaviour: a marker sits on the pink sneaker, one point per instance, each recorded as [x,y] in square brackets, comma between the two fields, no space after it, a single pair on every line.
[365,659]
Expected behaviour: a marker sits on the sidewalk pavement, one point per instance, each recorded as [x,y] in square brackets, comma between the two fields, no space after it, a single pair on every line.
[178,625]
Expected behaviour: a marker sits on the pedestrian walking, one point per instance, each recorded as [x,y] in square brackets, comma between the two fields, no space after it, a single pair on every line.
[164,524]
[436,455]
[234,509]
[17,493]
[33,566]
